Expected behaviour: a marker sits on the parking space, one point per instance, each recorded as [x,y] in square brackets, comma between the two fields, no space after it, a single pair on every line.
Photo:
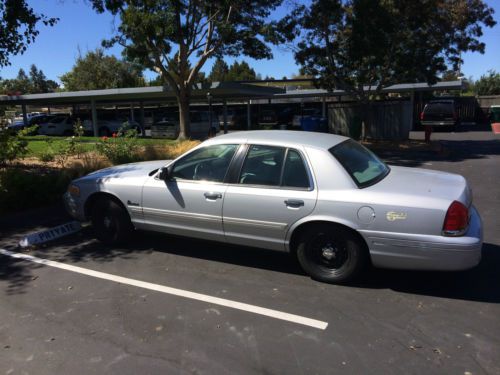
[56,320]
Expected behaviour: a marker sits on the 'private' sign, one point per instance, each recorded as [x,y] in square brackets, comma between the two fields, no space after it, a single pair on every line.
[50,234]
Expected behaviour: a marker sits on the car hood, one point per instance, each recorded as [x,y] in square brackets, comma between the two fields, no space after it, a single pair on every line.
[125,171]
[418,184]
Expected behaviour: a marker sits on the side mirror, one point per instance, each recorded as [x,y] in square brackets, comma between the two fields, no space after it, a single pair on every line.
[165,173]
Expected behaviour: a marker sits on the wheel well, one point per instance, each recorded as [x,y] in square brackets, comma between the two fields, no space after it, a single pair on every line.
[301,228]
[89,204]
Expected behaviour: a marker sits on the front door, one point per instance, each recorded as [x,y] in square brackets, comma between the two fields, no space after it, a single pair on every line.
[273,191]
[190,203]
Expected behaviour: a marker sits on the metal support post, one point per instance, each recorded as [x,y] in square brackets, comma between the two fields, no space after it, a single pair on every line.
[141,120]
[94,117]
[25,115]
[249,115]
[225,117]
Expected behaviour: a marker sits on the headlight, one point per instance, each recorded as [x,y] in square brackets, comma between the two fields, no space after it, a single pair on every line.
[74,190]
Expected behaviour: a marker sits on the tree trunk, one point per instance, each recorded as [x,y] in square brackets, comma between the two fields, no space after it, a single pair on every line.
[366,110]
[184,119]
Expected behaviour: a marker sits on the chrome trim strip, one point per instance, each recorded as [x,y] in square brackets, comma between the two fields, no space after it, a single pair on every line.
[255,223]
[178,215]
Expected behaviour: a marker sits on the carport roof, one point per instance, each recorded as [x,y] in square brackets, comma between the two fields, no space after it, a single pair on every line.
[397,88]
[218,90]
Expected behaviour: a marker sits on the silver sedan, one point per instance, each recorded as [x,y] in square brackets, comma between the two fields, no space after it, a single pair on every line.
[324,198]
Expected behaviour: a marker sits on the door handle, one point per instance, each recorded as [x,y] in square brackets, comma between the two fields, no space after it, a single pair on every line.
[294,203]
[212,195]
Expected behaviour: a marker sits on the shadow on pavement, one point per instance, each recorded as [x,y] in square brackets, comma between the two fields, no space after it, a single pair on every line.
[453,151]
[478,284]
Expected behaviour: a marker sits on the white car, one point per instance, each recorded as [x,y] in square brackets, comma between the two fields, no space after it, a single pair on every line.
[322,197]
[168,126]
[61,125]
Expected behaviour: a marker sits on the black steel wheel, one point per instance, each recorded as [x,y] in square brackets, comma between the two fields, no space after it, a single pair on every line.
[111,223]
[331,253]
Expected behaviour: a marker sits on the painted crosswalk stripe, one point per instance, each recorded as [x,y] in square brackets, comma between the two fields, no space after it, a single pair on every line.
[173,291]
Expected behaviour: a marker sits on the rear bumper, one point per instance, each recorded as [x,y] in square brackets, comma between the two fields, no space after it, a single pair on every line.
[424,252]
[439,123]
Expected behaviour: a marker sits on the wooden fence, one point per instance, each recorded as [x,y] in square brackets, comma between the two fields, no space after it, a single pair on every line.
[388,119]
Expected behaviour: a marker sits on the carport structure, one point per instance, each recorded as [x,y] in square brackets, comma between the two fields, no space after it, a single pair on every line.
[201,93]
[250,92]
[400,88]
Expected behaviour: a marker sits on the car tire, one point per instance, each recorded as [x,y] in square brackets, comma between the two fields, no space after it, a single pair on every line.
[111,223]
[331,253]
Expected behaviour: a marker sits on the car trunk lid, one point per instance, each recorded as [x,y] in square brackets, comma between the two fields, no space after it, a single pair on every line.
[423,183]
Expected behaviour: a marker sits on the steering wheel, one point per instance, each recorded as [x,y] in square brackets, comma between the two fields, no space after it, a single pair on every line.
[201,171]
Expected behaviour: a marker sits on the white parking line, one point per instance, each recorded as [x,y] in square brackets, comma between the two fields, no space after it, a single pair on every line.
[174,291]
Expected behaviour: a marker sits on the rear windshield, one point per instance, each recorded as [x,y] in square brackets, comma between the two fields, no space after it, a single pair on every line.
[439,107]
[363,166]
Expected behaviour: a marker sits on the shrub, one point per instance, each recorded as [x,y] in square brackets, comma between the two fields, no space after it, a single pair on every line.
[47,156]
[28,188]
[121,148]
[12,145]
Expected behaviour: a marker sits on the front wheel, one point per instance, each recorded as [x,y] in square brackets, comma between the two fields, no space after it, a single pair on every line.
[331,253]
[111,222]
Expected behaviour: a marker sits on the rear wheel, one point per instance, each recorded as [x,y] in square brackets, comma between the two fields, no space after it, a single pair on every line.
[331,253]
[111,222]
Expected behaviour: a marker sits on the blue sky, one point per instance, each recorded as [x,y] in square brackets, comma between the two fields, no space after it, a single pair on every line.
[80,28]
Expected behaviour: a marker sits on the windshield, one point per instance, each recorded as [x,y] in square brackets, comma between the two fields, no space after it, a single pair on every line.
[363,165]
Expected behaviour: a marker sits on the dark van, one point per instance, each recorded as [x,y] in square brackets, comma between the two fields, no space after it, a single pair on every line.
[440,113]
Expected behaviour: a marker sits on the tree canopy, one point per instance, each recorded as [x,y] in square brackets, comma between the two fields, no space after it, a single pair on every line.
[219,71]
[18,28]
[348,44]
[236,72]
[488,84]
[189,32]
[96,71]
[34,83]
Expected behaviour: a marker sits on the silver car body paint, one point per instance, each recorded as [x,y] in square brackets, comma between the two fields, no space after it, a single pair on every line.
[400,217]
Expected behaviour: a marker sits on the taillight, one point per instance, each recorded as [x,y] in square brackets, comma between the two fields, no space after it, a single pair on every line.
[456,220]
[422,116]
[455,116]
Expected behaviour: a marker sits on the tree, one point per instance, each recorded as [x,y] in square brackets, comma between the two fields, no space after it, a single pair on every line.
[35,83]
[350,44]
[17,86]
[219,71]
[40,83]
[241,72]
[450,75]
[488,84]
[18,28]
[96,71]
[189,31]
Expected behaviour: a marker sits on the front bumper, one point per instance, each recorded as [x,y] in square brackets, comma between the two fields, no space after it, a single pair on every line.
[73,207]
[425,252]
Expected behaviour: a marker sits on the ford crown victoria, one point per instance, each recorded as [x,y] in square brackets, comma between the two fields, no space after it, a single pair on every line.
[322,197]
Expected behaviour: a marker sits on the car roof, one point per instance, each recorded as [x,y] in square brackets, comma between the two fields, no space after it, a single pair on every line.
[292,138]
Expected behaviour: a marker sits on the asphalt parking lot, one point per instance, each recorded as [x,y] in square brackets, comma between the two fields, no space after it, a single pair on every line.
[59,321]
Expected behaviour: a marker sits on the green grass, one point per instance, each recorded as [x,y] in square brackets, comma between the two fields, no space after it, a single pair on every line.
[38,144]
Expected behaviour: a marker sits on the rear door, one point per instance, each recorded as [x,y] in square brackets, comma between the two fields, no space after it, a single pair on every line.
[273,190]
